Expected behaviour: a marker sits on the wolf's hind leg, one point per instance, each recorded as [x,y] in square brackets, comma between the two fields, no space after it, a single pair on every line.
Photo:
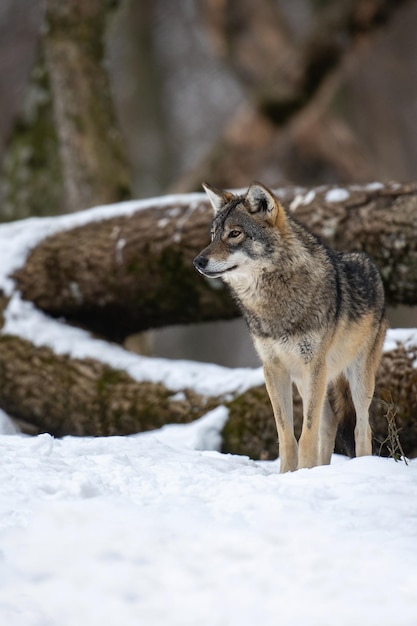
[361,375]
[278,385]
[362,389]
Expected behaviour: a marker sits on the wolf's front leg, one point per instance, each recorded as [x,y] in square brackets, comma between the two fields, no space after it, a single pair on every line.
[313,392]
[327,435]
[278,384]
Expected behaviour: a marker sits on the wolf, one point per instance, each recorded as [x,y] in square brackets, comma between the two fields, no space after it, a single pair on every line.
[316,318]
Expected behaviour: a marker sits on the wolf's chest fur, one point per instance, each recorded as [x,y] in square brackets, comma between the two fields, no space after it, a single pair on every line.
[286,308]
[316,307]
[283,320]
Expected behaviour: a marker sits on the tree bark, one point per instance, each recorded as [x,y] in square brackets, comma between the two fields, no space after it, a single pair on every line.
[280,69]
[93,159]
[31,173]
[127,274]
[65,152]
[131,273]
[64,396]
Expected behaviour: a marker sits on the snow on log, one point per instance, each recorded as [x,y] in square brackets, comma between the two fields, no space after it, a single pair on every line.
[378,219]
[118,269]
[126,268]
[47,392]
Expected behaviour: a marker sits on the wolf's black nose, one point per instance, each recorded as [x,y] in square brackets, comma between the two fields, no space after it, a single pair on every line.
[200,262]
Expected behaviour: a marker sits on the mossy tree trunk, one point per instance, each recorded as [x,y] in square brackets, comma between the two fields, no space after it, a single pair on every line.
[31,180]
[92,156]
[65,152]
[127,274]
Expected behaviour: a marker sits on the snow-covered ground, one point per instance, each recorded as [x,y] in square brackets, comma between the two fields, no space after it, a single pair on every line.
[158,529]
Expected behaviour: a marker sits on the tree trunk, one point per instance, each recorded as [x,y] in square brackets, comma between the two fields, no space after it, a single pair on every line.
[296,72]
[280,68]
[31,173]
[65,152]
[92,156]
[130,273]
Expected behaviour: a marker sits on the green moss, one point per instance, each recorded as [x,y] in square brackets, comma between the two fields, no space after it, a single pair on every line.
[3,304]
[318,6]
[123,406]
[166,290]
[109,378]
[250,429]
[31,177]
[134,266]
[78,122]
[177,278]
[84,27]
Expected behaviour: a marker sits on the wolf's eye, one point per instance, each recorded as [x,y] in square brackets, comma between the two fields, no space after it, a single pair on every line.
[234,233]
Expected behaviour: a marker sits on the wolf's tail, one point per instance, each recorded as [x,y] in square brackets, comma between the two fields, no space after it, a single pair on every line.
[342,406]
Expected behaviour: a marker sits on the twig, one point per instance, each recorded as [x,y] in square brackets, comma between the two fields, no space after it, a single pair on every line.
[392,440]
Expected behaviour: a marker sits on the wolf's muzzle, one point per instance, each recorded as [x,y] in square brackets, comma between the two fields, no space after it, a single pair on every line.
[200,263]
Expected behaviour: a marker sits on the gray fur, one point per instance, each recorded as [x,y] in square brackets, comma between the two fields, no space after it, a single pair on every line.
[306,307]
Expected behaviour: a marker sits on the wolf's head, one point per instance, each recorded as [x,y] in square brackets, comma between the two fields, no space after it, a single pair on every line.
[246,233]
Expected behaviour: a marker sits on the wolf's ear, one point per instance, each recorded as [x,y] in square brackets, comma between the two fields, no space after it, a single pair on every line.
[218,198]
[262,201]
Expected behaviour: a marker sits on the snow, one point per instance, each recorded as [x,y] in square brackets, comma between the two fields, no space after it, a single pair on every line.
[375,186]
[302,199]
[336,195]
[22,319]
[406,336]
[161,529]
[18,238]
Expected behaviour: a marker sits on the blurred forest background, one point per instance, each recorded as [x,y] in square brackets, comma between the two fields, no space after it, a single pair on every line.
[105,101]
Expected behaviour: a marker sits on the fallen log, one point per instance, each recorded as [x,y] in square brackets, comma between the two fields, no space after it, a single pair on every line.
[61,395]
[128,273]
